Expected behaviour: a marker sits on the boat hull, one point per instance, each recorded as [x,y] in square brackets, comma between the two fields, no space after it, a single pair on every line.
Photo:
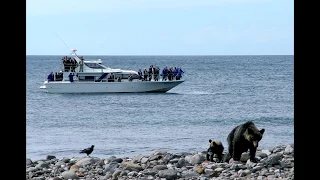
[110,87]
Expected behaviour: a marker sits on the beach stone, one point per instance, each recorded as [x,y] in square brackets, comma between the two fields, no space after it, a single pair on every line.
[266,151]
[288,149]
[137,158]
[133,173]
[168,174]
[28,161]
[131,165]
[244,157]
[196,159]
[42,165]
[181,163]
[55,178]
[155,157]
[111,166]
[75,167]
[159,167]
[200,170]
[65,160]
[151,172]
[49,157]
[71,174]
[208,172]
[32,169]
[273,159]
[261,154]
[85,161]
[116,174]
[189,174]
[144,160]
[218,169]
[257,168]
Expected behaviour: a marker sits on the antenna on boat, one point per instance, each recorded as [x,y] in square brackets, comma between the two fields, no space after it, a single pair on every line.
[63,42]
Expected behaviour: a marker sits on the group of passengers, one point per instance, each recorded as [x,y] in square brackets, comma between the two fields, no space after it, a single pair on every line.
[58,75]
[69,64]
[167,73]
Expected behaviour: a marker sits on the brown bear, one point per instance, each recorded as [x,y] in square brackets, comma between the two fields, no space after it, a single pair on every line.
[243,137]
[216,147]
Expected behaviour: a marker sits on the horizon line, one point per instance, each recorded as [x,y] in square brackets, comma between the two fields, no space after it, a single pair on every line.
[167,55]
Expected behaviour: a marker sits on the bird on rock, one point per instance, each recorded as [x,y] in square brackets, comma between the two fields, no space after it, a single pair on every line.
[87,150]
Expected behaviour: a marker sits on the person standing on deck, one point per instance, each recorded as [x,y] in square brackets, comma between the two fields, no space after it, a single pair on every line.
[50,77]
[71,77]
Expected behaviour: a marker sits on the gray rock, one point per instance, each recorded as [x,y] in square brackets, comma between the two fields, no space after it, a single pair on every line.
[116,174]
[155,157]
[65,160]
[168,174]
[31,169]
[219,169]
[111,167]
[137,158]
[244,157]
[266,151]
[273,159]
[159,167]
[42,165]
[28,161]
[288,150]
[261,154]
[197,159]
[151,172]
[181,163]
[71,174]
[49,157]
[256,168]
[208,172]
[85,161]
[131,165]
[133,173]
[189,174]
[144,160]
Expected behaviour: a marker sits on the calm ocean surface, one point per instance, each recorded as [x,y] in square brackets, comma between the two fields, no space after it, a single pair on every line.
[219,93]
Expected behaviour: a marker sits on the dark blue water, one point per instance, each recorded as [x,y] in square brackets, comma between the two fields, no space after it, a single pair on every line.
[219,93]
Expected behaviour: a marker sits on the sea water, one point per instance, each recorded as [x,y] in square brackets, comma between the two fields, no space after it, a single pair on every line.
[219,93]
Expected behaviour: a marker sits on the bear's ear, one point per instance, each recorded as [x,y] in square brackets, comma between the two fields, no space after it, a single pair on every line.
[262,131]
[210,140]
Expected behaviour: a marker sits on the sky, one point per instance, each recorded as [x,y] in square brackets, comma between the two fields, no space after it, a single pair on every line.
[160,27]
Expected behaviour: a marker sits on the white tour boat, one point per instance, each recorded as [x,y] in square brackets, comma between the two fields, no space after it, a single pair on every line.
[80,75]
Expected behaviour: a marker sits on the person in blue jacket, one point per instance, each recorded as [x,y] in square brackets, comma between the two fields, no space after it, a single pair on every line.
[50,77]
[71,77]
[179,75]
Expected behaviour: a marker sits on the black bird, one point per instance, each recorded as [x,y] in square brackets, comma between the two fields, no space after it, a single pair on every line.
[87,150]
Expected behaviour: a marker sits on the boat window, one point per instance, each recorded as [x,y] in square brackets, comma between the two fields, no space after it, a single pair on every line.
[94,65]
[89,77]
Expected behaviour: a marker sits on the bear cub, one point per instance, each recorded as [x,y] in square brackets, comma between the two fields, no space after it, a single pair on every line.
[216,147]
[243,137]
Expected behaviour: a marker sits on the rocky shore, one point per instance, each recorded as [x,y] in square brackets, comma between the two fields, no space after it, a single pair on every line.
[275,163]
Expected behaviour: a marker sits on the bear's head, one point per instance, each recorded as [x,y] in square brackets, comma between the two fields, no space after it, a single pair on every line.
[254,135]
[214,143]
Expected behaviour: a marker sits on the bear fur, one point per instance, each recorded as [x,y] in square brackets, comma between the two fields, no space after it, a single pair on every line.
[215,147]
[243,137]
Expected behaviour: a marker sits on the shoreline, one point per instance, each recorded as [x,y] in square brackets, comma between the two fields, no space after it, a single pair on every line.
[274,163]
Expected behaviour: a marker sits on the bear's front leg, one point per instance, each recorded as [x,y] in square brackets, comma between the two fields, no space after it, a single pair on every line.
[208,154]
[253,154]
[237,151]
